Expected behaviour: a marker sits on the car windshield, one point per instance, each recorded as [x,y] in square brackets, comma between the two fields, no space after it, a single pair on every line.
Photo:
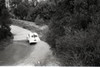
[34,35]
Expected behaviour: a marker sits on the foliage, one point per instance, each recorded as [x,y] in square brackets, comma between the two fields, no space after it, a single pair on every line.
[73,28]
[39,21]
[21,11]
[79,47]
[4,21]
[74,32]
[29,12]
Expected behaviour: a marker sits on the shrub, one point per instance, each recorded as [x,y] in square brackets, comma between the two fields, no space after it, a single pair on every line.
[21,11]
[4,21]
[74,32]
[39,21]
[77,47]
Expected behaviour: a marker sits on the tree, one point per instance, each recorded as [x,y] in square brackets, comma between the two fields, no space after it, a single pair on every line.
[74,32]
[21,11]
[14,3]
[4,21]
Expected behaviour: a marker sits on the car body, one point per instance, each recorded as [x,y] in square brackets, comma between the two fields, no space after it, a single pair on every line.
[33,38]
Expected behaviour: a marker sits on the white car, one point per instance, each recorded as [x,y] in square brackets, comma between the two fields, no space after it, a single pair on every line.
[33,38]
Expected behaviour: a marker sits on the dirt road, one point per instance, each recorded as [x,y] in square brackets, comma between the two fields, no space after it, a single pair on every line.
[21,53]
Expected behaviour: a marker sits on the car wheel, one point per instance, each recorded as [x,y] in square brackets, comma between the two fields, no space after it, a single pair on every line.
[32,43]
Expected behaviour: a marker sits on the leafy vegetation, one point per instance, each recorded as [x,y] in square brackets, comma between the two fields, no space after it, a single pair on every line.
[4,21]
[74,32]
[28,11]
[73,29]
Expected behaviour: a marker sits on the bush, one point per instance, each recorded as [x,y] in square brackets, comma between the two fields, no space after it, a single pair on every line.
[77,47]
[39,21]
[74,32]
[21,11]
[81,48]
[5,21]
